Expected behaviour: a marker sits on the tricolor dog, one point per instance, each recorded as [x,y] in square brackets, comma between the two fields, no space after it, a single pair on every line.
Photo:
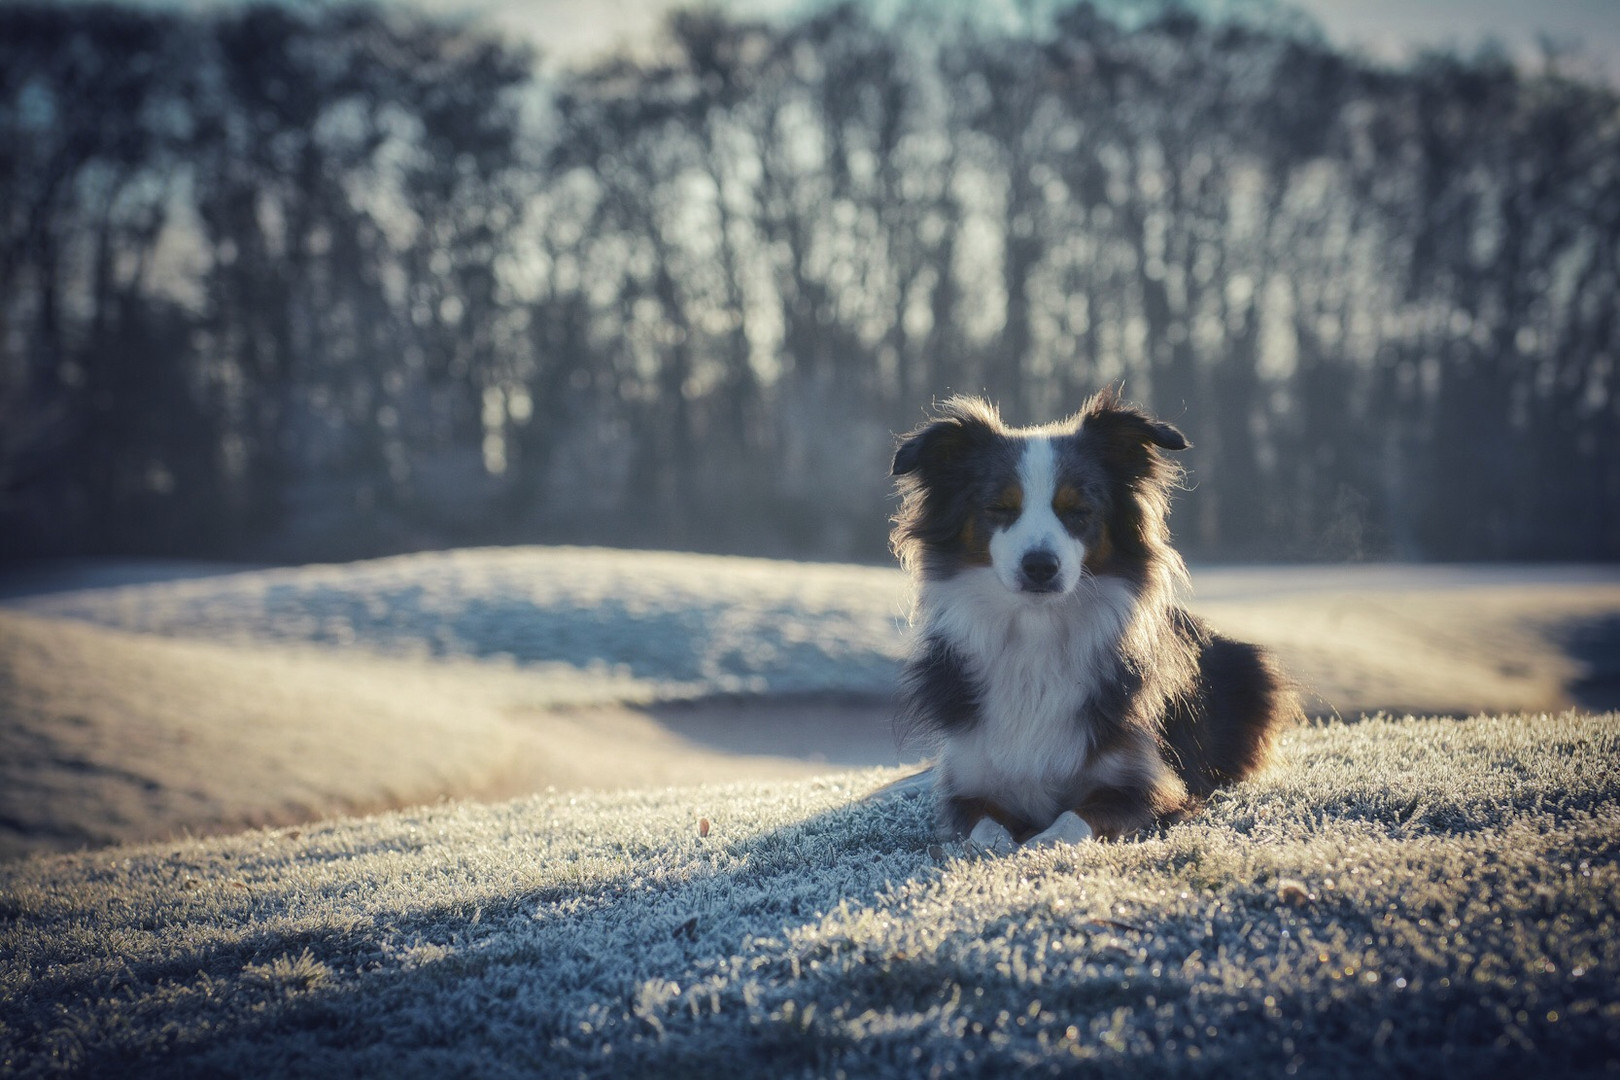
[1067,693]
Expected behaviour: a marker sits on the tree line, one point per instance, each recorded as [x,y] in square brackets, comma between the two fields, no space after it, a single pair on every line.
[282,283]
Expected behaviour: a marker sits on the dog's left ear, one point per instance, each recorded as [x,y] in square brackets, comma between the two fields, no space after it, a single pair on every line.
[1107,413]
[1161,434]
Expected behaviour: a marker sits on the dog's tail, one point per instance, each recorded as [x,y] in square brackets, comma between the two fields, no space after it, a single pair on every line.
[1226,730]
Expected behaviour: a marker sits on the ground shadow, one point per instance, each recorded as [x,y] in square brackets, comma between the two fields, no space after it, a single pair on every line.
[838,729]
[358,1007]
[1595,645]
[43,577]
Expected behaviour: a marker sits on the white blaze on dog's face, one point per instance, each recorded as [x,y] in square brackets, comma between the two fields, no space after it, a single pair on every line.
[1031,550]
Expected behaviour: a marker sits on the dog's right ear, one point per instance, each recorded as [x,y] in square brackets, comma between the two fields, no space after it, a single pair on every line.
[908,455]
[928,441]
[962,423]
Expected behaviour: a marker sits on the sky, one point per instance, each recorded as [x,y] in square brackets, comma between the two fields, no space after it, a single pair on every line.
[570,31]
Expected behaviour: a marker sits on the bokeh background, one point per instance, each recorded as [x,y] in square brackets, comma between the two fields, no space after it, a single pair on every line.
[293,282]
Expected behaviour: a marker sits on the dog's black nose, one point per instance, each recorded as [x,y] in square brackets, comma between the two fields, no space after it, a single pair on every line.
[1040,569]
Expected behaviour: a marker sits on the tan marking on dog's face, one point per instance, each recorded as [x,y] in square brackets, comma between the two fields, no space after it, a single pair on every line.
[981,526]
[975,542]
[1080,518]
[1038,529]
[1006,506]
[1100,553]
[1067,500]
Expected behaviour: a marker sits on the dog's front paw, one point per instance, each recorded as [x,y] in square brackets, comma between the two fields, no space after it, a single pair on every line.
[992,836]
[1069,828]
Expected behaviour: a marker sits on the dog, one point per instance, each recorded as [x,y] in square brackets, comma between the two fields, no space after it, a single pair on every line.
[1065,691]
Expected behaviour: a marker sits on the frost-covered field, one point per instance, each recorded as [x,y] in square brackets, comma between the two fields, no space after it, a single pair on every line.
[1422,897]
[692,883]
[209,703]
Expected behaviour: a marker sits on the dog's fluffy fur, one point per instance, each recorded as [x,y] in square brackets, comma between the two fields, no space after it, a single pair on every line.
[1052,667]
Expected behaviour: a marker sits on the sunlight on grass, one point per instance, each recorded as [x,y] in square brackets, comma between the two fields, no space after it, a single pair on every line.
[1416,893]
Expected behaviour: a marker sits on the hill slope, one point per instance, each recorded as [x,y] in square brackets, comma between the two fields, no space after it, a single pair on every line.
[272,696]
[1422,895]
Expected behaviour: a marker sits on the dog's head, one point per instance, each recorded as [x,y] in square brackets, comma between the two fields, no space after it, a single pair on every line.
[1041,507]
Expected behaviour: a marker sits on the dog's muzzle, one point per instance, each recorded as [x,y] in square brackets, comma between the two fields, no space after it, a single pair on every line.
[1038,571]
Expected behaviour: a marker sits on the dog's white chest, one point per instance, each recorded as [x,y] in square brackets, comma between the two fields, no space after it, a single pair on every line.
[1036,667]
[1031,694]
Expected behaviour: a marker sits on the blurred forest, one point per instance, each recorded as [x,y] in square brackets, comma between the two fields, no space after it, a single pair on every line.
[292,284]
